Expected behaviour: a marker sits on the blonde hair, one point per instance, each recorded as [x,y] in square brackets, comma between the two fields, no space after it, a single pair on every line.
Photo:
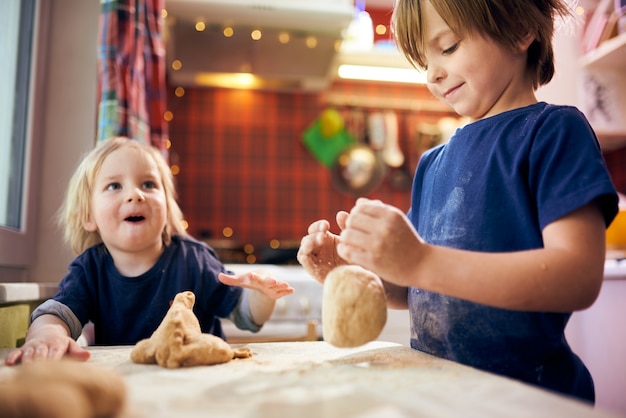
[77,205]
[505,21]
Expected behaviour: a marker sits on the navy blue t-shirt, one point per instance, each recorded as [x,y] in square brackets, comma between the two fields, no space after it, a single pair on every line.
[493,188]
[125,310]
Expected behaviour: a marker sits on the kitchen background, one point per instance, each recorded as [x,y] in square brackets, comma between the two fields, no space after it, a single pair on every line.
[244,166]
[249,185]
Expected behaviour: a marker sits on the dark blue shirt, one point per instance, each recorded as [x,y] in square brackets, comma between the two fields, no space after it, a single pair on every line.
[125,310]
[493,188]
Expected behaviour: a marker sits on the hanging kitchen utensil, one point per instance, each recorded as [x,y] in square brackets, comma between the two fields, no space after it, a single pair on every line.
[392,154]
[327,137]
[401,178]
[358,169]
[377,132]
[399,175]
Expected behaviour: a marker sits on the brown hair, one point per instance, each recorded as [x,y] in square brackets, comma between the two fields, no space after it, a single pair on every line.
[76,207]
[504,21]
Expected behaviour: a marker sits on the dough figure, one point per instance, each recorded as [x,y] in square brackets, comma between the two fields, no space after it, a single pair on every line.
[179,342]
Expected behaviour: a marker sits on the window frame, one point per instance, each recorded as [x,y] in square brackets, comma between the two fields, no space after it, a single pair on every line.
[18,245]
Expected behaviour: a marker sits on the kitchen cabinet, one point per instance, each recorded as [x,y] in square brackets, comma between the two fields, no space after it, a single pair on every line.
[14,322]
[17,301]
[597,336]
[603,82]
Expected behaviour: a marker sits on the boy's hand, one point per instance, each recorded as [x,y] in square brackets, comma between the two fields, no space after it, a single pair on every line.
[381,239]
[260,281]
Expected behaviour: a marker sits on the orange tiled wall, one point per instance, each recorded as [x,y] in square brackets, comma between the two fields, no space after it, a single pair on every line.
[243,163]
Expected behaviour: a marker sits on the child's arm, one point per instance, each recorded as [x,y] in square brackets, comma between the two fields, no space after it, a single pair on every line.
[563,276]
[265,291]
[48,338]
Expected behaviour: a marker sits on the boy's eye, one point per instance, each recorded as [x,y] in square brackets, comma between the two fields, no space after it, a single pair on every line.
[114,186]
[149,185]
[451,49]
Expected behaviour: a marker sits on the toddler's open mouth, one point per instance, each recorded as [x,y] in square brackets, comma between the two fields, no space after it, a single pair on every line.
[135,218]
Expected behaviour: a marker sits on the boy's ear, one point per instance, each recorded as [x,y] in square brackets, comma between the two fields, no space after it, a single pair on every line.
[89,225]
[526,41]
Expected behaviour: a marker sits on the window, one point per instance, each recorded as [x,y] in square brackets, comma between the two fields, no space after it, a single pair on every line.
[17,31]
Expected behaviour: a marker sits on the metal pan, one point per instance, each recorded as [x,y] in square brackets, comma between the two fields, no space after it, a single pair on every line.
[358,169]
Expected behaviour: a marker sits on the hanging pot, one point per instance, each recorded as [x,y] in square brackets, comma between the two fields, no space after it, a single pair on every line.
[358,169]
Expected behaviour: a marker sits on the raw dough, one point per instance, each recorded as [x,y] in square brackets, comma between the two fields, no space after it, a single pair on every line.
[61,389]
[354,306]
[179,342]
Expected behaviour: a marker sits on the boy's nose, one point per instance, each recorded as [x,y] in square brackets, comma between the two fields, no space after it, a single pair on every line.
[434,74]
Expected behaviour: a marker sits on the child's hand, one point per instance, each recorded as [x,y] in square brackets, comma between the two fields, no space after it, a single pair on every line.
[260,281]
[318,250]
[50,348]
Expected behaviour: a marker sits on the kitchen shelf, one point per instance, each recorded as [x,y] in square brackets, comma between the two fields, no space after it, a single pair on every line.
[609,58]
[387,56]
[395,103]
[609,54]
[610,141]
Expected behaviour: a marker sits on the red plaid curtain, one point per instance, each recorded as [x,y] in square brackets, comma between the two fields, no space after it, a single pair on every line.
[131,71]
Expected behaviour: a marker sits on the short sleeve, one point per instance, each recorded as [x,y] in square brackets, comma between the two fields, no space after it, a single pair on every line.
[566,167]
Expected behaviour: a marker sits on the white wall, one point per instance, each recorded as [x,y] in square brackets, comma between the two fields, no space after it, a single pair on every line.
[70,122]
[563,89]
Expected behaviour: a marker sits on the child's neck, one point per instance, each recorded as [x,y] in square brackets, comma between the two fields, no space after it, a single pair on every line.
[519,101]
[136,263]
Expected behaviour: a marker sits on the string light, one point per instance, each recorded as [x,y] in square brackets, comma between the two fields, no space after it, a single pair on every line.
[177,65]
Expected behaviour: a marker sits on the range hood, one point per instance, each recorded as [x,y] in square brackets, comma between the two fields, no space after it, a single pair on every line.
[211,42]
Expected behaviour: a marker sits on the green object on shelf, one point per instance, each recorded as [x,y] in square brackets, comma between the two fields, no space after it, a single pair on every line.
[326,149]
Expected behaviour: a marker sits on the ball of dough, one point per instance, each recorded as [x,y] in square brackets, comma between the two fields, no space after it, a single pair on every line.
[62,389]
[354,306]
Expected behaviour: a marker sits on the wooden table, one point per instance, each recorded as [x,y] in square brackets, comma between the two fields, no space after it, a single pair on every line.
[315,379]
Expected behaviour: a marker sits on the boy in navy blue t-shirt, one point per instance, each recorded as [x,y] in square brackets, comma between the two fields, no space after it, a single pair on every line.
[505,236]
